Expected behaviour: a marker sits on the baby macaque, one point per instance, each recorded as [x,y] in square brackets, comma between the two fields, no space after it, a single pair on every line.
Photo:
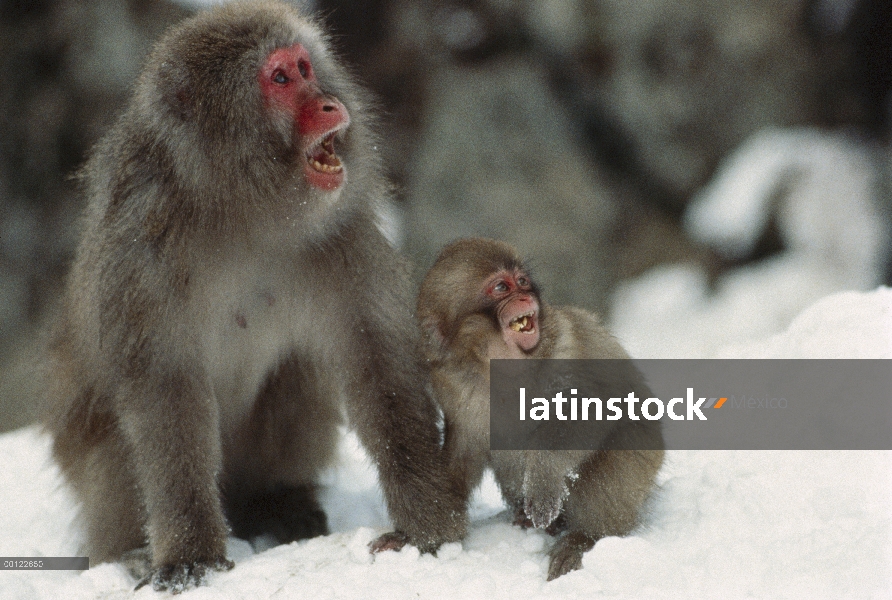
[478,302]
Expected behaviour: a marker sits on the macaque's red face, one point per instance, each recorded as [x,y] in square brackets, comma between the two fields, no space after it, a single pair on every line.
[517,308]
[288,81]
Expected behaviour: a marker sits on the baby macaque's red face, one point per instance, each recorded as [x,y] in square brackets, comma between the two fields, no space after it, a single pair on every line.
[517,308]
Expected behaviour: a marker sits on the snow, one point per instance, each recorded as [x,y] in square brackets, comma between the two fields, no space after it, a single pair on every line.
[821,192]
[810,175]
[723,524]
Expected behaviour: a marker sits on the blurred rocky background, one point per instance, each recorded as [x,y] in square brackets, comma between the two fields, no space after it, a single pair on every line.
[582,131]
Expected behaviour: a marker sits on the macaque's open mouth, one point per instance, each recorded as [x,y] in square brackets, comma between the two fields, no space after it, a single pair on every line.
[322,158]
[323,168]
[520,326]
[525,323]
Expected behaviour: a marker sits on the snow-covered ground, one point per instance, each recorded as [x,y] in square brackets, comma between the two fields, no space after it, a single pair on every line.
[805,525]
[774,525]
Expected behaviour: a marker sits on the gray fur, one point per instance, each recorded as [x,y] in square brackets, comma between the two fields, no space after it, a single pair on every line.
[221,314]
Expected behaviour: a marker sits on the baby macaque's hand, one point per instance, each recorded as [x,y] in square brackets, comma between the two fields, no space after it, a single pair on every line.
[543,509]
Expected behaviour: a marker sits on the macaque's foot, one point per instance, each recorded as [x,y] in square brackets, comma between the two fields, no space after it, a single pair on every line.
[393,540]
[181,577]
[566,555]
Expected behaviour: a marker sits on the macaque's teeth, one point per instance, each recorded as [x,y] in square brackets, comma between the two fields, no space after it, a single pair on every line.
[327,145]
[323,167]
[324,150]
[521,323]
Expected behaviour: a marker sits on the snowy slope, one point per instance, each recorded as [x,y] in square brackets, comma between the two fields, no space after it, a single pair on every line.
[807,525]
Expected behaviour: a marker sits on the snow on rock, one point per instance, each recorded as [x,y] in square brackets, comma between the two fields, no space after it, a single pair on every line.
[798,525]
[820,190]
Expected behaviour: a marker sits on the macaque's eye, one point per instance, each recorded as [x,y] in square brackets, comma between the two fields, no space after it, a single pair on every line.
[303,68]
[523,281]
[501,287]
[280,78]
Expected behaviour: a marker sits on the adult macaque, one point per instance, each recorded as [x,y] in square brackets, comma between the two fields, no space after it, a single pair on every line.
[478,302]
[230,288]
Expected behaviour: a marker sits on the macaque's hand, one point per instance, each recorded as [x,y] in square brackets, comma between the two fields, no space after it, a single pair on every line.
[543,509]
[181,577]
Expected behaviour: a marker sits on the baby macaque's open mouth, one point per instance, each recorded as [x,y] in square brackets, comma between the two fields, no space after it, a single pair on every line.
[521,329]
[525,323]
[321,156]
